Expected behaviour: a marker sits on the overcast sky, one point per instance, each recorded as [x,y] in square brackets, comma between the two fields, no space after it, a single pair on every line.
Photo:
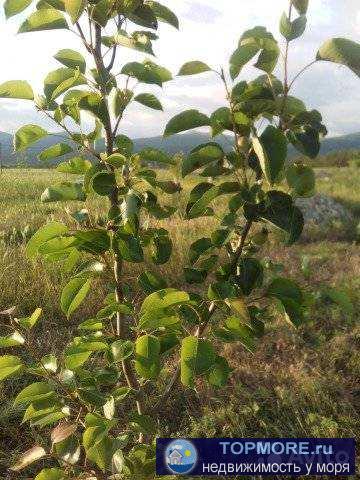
[209,32]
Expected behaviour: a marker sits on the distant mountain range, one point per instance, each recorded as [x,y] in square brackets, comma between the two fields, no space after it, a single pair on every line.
[177,143]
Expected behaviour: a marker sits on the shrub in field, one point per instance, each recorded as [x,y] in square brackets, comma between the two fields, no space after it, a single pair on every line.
[95,409]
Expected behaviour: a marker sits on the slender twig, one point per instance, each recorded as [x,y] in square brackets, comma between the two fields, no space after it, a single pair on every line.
[113,56]
[69,132]
[81,33]
[300,73]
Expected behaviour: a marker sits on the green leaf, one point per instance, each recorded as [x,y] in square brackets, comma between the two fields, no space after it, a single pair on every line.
[269,56]
[221,120]
[197,358]
[13,340]
[301,179]
[129,248]
[75,8]
[143,15]
[284,215]
[30,456]
[198,248]
[49,419]
[43,235]
[10,366]
[57,4]
[60,80]
[271,149]
[147,360]
[124,144]
[44,19]
[145,423]
[306,142]
[140,41]
[141,73]
[301,6]
[42,408]
[122,349]
[220,372]
[159,319]
[103,183]
[161,247]
[13,7]
[290,296]
[130,210]
[219,237]
[91,325]
[250,275]
[292,29]
[92,241]
[73,294]
[163,73]
[27,135]
[55,151]
[76,355]
[30,322]
[51,474]
[236,331]
[151,282]
[49,362]
[201,156]
[242,55]
[186,121]
[169,297]
[96,105]
[99,447]
[163,13]
[250,43]
[118,461]
[193,68]
[33,392]
[117,160]
[19,89]
[71,59]
[121,393]
[100,12]
[75,359]
[150,155]
[343,51]
[77,166]
[68,450]
[292,311]
[199,207]
[66,191]
[59,245]
[290,106]
[149,100]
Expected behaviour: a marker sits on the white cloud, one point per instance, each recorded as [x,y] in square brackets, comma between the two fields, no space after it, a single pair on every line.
[209,32]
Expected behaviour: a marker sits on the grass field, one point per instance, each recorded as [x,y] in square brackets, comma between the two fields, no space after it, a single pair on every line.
[299,383]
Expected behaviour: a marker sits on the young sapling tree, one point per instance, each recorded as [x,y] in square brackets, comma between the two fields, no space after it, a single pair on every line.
[94,409]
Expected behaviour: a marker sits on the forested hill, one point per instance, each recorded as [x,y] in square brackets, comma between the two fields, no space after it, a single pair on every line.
[177,143]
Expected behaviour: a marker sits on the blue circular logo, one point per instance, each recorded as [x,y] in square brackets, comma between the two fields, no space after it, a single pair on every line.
[180,456]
